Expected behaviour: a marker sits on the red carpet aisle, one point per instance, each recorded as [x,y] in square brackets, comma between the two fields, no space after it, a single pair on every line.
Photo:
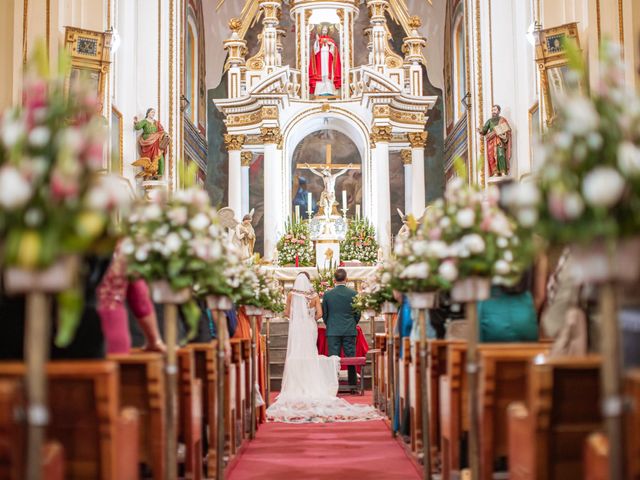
[349,451]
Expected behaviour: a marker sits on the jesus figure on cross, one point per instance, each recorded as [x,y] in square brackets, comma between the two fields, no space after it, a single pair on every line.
[328,196]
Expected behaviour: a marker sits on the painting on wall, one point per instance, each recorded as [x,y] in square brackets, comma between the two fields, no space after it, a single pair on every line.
[312,150]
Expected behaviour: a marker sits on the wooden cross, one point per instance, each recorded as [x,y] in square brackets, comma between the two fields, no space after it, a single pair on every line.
[327,163]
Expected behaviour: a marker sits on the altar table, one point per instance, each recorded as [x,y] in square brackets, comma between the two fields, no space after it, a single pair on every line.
[289,274]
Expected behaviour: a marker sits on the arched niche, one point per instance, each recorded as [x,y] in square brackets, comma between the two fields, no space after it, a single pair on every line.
[346,126]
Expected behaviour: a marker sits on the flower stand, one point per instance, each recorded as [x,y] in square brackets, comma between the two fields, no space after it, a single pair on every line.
[254,313]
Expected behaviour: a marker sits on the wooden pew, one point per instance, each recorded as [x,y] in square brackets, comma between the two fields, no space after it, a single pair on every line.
[547,434]
[503,374]
[205,371]
[230,401]
[239,401]
[13,438]
[245,390]
[632,391]
[503,380]
[437,366]
[596,457]
[381,347]
[142,386]
[100,440]
[404,377]
[190,406]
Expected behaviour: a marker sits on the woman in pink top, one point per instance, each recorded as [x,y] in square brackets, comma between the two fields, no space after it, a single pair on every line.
[116,289]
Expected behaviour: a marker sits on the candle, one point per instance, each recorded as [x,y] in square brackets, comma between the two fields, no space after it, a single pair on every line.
[309,203]
[297,213]
[344,199]
[297,260]
[357,211]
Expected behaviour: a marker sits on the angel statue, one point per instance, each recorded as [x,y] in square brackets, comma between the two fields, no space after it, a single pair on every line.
[404,231]
[242,234]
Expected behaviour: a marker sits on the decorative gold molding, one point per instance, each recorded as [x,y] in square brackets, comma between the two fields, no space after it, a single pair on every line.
[489,2]
[234,142]
[381,111]
[381,133]
[25,27]
[417,139]
[406,156]
[479,89]
[246,158]
[159,56]
[598,28]
[413,118]
[270,135]
[171,87]
[118,114]
[621,26]
[47,26]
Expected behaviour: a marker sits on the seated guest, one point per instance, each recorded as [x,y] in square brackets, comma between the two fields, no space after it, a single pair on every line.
[508,316]
[116,289]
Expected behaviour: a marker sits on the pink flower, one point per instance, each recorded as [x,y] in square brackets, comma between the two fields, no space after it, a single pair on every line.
[435,233]
[93,155]
[35,95]
[63,187]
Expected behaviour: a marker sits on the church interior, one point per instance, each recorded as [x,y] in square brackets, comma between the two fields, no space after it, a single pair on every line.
[454,183]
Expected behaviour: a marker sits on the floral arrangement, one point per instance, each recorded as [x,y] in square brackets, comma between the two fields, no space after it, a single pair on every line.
[465,235]
[588,184]
[295,246]
[257,287]
[54,200]
[375,290]
[325,280]
[181,241]
[360,242]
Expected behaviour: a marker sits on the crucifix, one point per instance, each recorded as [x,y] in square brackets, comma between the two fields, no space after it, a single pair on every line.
[323,170]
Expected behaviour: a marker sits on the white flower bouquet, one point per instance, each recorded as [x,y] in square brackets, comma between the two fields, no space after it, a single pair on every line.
[54,200]
[466,235]
[375,290]
[181,241]
[587,187]
[360,242]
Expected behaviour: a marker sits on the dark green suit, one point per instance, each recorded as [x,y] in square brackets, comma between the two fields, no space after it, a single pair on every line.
[341,320]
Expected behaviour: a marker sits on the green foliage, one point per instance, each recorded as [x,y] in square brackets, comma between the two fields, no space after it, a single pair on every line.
[360,242]
[296,242]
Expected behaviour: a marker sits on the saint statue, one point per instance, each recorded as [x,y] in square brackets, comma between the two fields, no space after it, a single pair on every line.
[154,142]
[328,196]
[498,138]
[404,233]
[325,75]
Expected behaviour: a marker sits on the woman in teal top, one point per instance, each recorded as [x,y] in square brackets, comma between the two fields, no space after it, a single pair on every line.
[508,316]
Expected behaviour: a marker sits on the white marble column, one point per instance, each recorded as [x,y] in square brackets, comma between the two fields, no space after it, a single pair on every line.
[234,146]
[271,137]
[418,193]
[408,185]
[246,158]
[381,136]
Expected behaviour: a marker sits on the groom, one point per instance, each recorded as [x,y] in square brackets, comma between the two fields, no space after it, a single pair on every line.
[341,320]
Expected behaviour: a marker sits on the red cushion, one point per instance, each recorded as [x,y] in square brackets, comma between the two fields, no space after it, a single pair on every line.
[358,361]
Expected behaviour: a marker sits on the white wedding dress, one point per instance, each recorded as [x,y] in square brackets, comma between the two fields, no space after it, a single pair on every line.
[310,380]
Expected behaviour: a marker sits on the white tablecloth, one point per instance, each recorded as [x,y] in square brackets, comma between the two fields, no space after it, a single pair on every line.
[289,274]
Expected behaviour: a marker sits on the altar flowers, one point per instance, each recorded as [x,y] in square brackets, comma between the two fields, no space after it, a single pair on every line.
[375,290]
[295,247]
[360,243]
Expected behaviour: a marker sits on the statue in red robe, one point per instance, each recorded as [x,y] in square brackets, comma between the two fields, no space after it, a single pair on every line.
[324,66]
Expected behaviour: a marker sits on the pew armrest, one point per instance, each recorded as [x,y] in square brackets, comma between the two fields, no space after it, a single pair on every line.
[596,457]
[53,461]
[127,444]
[521,444]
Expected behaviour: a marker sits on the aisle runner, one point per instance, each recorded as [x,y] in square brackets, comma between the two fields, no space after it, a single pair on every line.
[348,451]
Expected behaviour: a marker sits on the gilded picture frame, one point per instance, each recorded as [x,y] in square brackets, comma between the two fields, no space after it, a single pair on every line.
[552,64]
[90,57]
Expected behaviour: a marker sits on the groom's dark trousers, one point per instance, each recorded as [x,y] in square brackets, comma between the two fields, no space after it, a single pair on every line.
[341,321]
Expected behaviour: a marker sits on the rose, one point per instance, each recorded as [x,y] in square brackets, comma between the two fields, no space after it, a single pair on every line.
[474,243]
[199,222]
[466,218]
[15,191]
[501,267]
[416,270]
[39,137]
[448,271]
[178,215]
[603,187]
[629,158]
[173,242]
[582,116]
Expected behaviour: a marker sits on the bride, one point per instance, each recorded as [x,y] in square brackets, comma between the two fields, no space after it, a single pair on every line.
[310,381]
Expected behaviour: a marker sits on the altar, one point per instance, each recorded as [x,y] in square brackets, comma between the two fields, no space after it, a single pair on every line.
[287,275]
